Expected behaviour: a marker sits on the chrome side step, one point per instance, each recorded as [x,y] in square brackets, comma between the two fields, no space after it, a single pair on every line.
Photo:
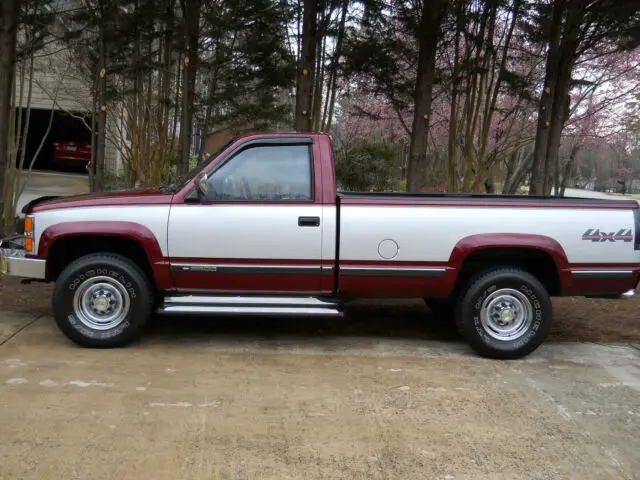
[250,305]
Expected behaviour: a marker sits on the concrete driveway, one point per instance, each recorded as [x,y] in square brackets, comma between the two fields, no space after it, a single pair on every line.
[43,183]
[195,402]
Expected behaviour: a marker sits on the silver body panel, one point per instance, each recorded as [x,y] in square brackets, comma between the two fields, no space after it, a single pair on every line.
[153,217]
[430,233]
[225,231]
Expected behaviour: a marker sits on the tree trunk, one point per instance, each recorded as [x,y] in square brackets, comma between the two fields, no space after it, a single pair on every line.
[176,104]
[517,176]
[316,120]
[553,159]
[511,164]
[561,99]
[428,40]
[452,174]
[304,88]
[94,121]
[191,12]
[494,86]
[101,140]
[333,79]
[165,82]
[546,101]
[213,84]
[9,12]
[566,173]
[475,57]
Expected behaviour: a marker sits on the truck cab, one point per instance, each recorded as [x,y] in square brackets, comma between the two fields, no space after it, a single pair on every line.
[268,204]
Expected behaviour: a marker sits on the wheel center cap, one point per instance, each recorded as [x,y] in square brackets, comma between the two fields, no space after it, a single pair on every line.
[507,315]
[101,304]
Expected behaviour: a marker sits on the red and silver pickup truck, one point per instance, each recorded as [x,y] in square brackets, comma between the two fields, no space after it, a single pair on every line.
[259,229]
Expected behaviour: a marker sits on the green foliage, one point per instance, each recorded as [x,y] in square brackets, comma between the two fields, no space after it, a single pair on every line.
[616,21]
[519,85]
[367,166]
[380,54]
[245,66]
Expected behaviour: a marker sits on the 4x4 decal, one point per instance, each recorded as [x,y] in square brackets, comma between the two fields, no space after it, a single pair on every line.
[595,235]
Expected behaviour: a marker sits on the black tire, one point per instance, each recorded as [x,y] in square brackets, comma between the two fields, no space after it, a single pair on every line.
[118,285]
[444,310]
[520,291]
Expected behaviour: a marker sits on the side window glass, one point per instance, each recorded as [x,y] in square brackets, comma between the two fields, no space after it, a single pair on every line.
[277,173]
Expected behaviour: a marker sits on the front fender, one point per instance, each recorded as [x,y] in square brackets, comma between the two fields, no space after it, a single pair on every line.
[130,230]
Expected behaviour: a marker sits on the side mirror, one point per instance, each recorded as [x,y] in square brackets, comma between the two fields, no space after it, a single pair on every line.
[201,183]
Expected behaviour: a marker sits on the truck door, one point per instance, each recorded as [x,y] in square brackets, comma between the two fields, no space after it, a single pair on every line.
[258,226]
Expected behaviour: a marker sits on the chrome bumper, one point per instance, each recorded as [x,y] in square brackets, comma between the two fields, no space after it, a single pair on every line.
[628,295]
[13,261]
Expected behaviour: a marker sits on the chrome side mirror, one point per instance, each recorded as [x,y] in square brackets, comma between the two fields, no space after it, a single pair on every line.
[201,183]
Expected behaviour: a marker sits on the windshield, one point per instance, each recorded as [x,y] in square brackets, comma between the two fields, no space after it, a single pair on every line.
[182,180]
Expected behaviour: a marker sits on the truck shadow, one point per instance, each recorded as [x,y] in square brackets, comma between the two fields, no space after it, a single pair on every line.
[384,319]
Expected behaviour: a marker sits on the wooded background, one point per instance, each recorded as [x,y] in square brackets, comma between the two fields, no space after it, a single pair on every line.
[433,95]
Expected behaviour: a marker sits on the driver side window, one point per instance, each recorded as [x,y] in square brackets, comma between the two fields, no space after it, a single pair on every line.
[277,173]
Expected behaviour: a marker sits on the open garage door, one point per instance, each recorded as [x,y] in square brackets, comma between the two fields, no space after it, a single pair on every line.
[66,148]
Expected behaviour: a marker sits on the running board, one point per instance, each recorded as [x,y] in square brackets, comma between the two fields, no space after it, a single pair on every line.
[250,305]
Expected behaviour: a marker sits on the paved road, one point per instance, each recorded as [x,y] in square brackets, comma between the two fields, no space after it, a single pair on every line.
[202,403]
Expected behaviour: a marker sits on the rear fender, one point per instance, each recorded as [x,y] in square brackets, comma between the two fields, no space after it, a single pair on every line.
[473,243]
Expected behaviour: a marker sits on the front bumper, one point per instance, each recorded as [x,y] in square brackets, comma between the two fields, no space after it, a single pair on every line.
[14,262]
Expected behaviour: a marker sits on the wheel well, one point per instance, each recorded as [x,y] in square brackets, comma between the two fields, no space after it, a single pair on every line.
[68,249]
[536,262]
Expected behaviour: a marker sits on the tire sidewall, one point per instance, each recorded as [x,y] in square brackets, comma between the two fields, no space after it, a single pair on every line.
[85,269]
[470,311]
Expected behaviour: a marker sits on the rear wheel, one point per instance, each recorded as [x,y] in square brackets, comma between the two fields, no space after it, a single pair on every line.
[102,300]
[504,313]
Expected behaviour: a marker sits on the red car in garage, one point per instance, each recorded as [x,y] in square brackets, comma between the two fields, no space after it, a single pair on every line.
[71,154]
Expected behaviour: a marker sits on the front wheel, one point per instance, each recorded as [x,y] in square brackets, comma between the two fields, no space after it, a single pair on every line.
[504,313]
[102,300]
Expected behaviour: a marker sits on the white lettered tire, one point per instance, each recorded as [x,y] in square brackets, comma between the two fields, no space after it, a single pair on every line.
[504,313]
[102,300]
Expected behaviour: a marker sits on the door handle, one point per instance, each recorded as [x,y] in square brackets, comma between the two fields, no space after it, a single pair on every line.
[308,221]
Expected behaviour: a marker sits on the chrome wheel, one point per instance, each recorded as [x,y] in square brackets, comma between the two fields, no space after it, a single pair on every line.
[101,303]
[506,314]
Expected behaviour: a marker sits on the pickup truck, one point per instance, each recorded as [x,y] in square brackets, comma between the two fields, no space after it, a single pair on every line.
[260,229]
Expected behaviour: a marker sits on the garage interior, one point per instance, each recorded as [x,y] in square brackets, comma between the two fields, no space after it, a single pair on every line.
[64,127]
